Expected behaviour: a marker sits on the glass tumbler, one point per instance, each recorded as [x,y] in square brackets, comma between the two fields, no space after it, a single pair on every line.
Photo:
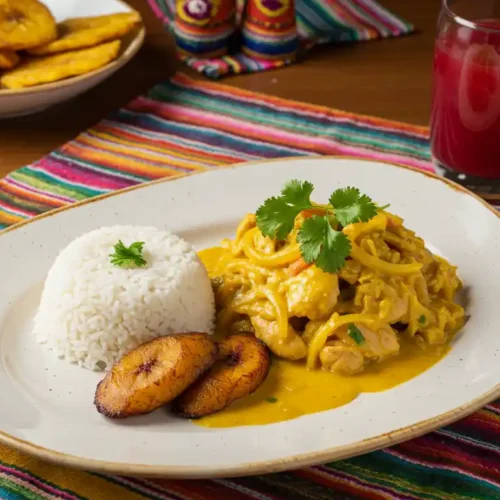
[465,122]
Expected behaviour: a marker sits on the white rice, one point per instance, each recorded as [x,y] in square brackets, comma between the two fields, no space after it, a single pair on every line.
[93,312]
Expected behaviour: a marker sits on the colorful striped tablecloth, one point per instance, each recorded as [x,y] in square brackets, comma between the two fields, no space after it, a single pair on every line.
[187,126]
[318,22]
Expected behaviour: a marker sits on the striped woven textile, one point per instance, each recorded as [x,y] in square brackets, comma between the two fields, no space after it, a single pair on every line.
[187,126]
[318,21]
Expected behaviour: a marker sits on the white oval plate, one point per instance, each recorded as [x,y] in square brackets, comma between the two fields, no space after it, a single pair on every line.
[30,100]
[47,406]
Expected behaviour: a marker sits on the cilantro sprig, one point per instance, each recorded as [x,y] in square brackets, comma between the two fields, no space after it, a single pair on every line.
[128,256]
[321,243]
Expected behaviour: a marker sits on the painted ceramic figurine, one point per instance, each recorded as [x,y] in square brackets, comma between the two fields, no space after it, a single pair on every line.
[203,27]
[269,30]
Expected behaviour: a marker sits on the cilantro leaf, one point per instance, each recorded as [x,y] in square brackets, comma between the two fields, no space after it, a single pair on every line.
[422,319]
[298,192]
[351,206]
[276,216]
[272,399]
[355,333]
[322,245]
[128,256]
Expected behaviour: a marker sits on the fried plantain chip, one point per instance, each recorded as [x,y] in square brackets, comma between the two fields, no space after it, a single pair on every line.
[46,69]
[8,59]
[242,365]
[25,24]
[153,374]
[88,31]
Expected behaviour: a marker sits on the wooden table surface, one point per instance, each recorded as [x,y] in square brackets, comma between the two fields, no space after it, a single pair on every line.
[388,78]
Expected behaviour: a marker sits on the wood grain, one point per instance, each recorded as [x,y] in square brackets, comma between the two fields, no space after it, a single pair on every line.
[388,78]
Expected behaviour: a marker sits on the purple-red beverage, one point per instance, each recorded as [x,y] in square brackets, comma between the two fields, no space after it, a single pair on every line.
[465,123]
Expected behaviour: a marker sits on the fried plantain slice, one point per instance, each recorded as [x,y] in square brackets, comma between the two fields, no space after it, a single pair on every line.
[89,31]
[8,59]
[242,365]
[25,24]
[153,374]
[46,69]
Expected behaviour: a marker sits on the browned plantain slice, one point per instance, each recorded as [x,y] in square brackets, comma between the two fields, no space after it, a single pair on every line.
[242,365]
[25,24]
[153,374]
[84,32]
[47,69]
[8,59]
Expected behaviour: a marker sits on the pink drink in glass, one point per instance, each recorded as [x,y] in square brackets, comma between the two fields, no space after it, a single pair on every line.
[465,124]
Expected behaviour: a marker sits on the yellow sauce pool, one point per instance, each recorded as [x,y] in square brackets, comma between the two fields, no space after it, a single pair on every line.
[290,390]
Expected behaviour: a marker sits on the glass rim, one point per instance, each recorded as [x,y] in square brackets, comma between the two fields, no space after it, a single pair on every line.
[465,22]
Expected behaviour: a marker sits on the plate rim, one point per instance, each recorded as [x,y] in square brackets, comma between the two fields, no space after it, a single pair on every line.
[129,52]
[256,467]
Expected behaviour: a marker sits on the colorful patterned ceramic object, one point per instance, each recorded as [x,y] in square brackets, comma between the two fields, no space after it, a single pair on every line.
[269,30]
[203,27]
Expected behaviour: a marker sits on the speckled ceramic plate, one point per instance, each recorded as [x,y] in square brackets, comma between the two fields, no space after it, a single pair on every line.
[47,405]
[34,99]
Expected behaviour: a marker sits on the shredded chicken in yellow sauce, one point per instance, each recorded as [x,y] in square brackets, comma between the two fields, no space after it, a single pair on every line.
[391,288]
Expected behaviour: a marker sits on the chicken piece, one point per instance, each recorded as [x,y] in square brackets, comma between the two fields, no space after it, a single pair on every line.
[340,358]
[351,271]
[432,335]
[242,365]
[380,298]
[312,293]
[375,245]
[311,328]
[394,308]
[378,344]
[290,347]
[444,282]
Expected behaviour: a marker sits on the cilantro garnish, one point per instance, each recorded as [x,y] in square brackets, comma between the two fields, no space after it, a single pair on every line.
[422,319]
[272,399]
[128,256]
[351,206]
[320,241]
[276,216]
[355,333]
[322,245]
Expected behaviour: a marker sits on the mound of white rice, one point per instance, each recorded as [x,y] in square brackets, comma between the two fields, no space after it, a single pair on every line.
[92,312]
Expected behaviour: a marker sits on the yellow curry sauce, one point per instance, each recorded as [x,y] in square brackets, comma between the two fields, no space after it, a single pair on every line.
[291,390]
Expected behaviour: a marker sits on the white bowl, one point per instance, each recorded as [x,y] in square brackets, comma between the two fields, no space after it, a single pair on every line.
[34,99]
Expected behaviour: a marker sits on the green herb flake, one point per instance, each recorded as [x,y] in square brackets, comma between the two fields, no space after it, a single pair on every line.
[272,400]
[355,333]
[128,256]
[422,319]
